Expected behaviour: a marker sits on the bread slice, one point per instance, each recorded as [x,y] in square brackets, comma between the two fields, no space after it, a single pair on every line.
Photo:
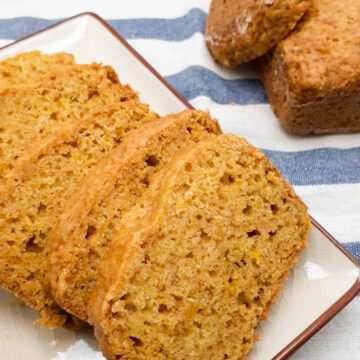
[36,111]
[198,261]
[37,189]
[30,66]
[83,231]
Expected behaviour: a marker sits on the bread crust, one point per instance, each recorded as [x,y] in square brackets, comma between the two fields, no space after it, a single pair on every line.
[312,78]
[238,31]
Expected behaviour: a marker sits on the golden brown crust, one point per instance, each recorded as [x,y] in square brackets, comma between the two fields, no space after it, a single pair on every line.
[238,31]
[110,190]
[312,78]
[36,190]
[136,257]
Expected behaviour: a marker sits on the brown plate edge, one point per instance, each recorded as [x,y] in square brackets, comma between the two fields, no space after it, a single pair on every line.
[120,38]
[332,310]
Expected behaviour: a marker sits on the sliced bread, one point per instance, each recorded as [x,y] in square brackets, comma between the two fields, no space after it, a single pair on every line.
[36,190]
[200,258]
[31,112]
[83,231]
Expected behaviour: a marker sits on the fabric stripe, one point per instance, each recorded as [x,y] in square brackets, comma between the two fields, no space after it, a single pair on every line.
[354,248]
[320,166]
[170,57]
[107,9]
[176,29]
[19,27]
[335,207]
[198,81]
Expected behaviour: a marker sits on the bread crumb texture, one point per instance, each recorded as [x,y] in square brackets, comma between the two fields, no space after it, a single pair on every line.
[238,31]
[37,105]
[91,216]
[199,260]
[31,66]
[35,193]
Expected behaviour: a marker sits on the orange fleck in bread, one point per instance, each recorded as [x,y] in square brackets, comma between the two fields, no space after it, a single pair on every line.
[238,31]
[30,66]
[312,77]
[200,258]
[83,231]
[36,111]
[35,193]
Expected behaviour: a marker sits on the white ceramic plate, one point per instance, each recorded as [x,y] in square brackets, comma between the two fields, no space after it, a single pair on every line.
[324,280]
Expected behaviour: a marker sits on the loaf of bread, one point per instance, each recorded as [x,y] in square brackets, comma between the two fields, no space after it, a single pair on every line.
[35,193]
[28,67]
[36,111]
[83,231]
[238,31]
[200,258]
[312,78]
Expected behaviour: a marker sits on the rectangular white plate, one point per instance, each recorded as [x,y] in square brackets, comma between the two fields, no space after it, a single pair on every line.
[324,280]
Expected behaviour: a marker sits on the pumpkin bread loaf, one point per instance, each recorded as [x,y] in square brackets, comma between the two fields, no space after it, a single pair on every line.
[238,31]
[200,258]
[35,193]
[28,67]
[36,111]
[83,231]
[312,77]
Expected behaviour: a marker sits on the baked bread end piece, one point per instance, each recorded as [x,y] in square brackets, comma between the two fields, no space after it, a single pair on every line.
[338,112]
[312,77]
[238,31]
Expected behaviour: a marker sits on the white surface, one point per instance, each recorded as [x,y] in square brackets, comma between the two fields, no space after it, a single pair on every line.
[339,219]
[330,342]
[322,275]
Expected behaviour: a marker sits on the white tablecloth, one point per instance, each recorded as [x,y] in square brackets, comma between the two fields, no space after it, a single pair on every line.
[170,35]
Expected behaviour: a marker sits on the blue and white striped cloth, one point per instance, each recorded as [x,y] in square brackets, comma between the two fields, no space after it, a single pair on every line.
[170,35]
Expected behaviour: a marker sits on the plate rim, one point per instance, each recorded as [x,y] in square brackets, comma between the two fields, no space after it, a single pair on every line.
[339,304]
[331,311]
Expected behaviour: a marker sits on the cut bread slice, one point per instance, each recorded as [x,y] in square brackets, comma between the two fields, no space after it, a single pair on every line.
[37,189]
[83,231]
[200,258]
[30,66]
[36,111]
